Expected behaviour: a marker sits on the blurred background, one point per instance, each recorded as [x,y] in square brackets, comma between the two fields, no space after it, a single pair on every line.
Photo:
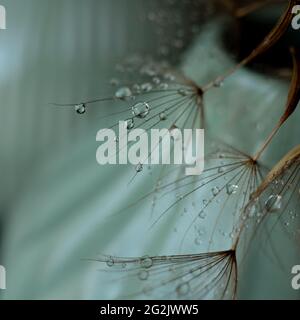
[53,194]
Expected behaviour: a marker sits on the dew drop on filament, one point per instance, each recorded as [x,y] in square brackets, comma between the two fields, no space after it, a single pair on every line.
[146,87]
[123,93]
[80,108]
[274,203]
[141,110]
[139,168]
[183,92]
[231,189]
[110,262]
[162,116]
[215,191]
[129,124]
[146,262]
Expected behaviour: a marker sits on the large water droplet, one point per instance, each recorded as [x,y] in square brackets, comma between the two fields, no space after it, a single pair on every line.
[274,203]
[141,110]
[80,108]
[123,93]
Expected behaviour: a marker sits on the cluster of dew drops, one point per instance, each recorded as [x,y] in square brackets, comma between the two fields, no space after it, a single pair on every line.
[145,264]
[155,80]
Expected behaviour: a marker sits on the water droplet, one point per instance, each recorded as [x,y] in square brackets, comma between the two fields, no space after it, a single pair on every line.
[163,86]
[231,189]
[110,262]
[143,274]
[146,87]
[80,108]
[198,241]
[183,289]
[252,210]
[163,116]
[136,88]
[123,93]
[218,83]
[274,203]
[215,191]
[202,215]
[201,231]
[156,80]
[129,124]
[183,92]
[141,110]
[169,76]
[221,170]
[139,168]
[146,262]
[114,82]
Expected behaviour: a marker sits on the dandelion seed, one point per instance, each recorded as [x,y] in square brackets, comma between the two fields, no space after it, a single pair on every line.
[192,276]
